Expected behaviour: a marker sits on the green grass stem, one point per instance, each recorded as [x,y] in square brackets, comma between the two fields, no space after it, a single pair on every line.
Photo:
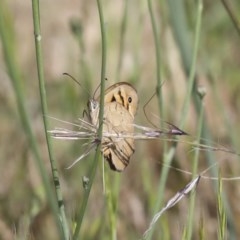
[192,73]
[232,15]
[181,34]
[40,70]
[169,155]
[189,227]
[93,168]
[157,44]
[7,36]
[222,220]
[121,42]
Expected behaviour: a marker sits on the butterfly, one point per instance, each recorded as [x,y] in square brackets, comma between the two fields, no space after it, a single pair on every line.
[117,143]
[120,107]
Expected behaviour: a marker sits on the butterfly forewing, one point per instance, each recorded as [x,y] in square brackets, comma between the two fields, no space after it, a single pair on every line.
[125,94]
[120,106]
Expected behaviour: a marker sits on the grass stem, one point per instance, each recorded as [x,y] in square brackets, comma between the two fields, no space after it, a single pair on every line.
[40,70]
[101,111]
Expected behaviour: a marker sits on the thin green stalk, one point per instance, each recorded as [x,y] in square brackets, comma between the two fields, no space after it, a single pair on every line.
[101,111]
[6,26]
[191,79]
[111,198]
[39,58]
[233,134]
[181,34]
[84,71]
[121,43]
[211,160]
[157,44]
[189,226]
[222,221]
[201,231]
[112,190]
[169,155]
[232,15]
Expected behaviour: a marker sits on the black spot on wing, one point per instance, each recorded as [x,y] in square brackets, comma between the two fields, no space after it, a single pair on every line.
[113,99]
[109,160]
[122,98]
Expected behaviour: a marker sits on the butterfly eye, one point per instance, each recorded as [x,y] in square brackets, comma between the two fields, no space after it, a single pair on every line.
[129,99]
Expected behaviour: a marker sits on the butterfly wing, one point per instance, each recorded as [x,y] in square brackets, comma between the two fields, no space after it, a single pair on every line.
[125,94]
[120,106]
[117,150]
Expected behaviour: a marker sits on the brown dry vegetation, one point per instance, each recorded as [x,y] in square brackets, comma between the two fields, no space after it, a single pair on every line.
[23,208]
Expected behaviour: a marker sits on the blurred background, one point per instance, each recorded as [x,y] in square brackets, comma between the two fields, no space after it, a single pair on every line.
[71,42]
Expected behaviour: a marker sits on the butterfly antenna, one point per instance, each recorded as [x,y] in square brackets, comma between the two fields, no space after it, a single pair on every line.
[98,88]
[76,81]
